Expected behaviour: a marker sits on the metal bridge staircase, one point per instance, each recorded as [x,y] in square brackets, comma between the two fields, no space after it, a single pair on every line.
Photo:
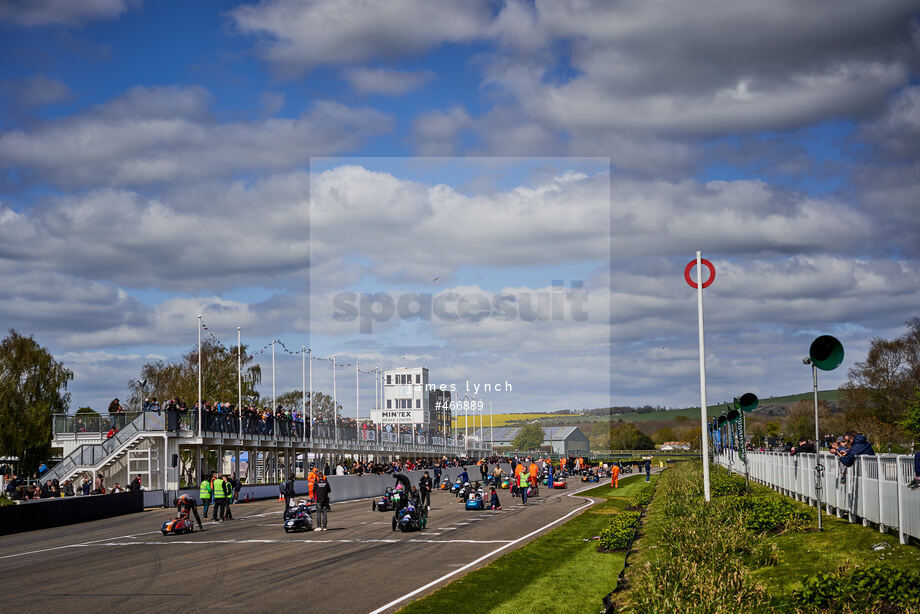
[93,458]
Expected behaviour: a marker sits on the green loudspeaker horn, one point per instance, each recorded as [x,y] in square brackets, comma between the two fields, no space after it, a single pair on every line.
[733,415]
[826,353]
[748,402]
[722,420]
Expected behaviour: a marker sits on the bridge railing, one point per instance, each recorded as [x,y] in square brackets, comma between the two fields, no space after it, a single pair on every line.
[872,491]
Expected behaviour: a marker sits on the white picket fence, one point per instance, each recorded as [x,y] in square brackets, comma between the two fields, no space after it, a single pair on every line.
[874,492]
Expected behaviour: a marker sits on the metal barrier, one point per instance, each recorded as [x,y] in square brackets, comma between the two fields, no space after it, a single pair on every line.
[872,491]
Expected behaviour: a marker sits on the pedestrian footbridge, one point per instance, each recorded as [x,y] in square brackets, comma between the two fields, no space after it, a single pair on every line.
[171,451]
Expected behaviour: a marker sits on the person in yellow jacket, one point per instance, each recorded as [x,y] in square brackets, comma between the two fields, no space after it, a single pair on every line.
[220,499]
[206,492]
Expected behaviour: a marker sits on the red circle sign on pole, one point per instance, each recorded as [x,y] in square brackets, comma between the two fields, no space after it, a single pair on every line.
[708,265]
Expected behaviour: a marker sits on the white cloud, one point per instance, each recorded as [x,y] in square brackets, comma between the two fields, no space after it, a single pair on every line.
[155,135]
[296,36]
[61,12]
[35,91]
[387,82]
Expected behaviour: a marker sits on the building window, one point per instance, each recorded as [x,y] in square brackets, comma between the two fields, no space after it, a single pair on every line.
[388,379]
[418,403]
[418,378]
[389,404]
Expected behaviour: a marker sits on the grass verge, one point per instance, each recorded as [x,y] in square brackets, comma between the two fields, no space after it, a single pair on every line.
[538,577]
[753,550]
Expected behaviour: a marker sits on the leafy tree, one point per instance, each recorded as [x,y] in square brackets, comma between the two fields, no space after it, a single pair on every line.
[322,404]
[800,419]
[883,384]
[88,412]
[32,388]
[166,380]
[911,422]
[627,436]
[665,433]
[530,437]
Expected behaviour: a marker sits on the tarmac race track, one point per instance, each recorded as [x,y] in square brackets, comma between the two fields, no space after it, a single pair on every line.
[358,565]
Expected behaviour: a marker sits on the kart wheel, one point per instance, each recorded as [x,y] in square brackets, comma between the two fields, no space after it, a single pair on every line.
[165,532]
[287,530]
[394,524]
[373,506]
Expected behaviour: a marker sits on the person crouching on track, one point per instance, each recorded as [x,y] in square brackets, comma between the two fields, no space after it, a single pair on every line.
[186,504]
[494,504]
[322,490]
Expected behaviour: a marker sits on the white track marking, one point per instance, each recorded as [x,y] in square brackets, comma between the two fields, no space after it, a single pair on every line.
[486,556]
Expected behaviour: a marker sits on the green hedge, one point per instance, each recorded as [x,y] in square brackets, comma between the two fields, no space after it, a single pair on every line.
[641,499]
[619,534]
[860,588]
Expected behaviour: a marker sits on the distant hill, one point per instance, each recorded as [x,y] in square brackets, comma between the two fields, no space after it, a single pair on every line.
[771,406]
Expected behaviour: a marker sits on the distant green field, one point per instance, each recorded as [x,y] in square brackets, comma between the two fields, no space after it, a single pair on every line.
[690,412]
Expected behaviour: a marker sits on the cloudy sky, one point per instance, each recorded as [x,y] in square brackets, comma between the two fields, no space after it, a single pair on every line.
[501,190]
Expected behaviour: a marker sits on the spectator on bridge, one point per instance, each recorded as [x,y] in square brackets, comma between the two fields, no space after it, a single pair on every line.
[804,447]
[135,485]
[99,485]
[323,490]
[67,489]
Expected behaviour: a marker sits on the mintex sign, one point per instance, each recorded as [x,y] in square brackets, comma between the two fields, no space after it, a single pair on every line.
[398,416]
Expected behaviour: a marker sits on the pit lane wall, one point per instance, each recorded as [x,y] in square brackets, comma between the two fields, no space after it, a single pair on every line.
[45,513]
[344,487]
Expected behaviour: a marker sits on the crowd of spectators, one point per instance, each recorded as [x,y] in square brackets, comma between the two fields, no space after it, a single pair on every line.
[19,488]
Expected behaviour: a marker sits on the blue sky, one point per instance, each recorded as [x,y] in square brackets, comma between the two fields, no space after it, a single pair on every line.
[161,159]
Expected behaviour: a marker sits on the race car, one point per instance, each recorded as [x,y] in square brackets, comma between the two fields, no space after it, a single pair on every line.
[300,517]
[505,483]
[561,484]
[456,486]
[179,525]
[475,502]
[410,518]
[588,477]
[386,503]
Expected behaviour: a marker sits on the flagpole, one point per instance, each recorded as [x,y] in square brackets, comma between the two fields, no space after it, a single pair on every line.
[335,413]
[704,444]
[239,377]
[199,375]
[310,353]
[273,379]
[357,398]
[303,396]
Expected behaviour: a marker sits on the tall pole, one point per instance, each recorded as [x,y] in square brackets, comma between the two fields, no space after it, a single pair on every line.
[491,428]
[466,422]
[239,381]
[199,375]
[310,355]
[704,443]
[818,466]
[357,398]
[303,397]
[335,413]
[273,377]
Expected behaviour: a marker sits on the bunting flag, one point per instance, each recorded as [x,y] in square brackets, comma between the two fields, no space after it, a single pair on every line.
[284,348]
